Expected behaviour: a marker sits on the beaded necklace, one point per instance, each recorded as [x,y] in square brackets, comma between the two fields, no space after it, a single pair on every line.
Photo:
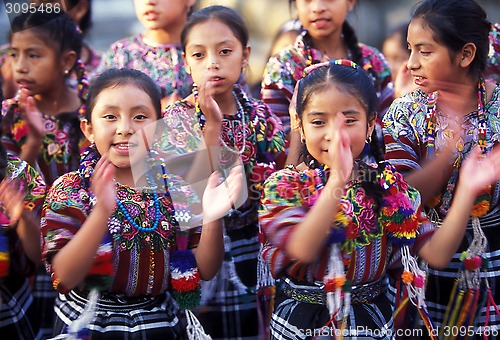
[483,201]
[239,97]
[144,223]
[465,293]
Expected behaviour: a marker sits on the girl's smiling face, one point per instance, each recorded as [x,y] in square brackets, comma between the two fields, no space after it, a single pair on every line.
[214,53]
[119,112]
[319,116]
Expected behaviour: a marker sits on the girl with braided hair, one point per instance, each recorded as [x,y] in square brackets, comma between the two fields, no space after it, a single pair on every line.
[41,123]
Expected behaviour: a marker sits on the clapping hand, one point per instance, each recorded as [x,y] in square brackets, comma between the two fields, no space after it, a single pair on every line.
[478,171]
[103,185]
[31,115]
[339,151]
[12,199]
[220,198]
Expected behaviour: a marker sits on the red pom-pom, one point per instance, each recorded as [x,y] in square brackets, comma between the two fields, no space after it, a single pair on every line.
[329,284]
[187,284]
[418,281]
[473,263]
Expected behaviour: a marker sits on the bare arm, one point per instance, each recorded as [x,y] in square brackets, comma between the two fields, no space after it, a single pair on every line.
[475,174]
[73,261]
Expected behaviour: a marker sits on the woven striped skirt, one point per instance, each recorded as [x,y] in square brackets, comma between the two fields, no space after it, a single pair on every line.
[16,309]
[293,319]
[118,317]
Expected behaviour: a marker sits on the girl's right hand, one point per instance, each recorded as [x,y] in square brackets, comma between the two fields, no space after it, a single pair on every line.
[103,185]
[31,115]
[208,104]
[339,151]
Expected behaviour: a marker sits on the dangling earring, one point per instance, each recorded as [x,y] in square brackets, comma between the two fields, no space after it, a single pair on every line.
[368,140]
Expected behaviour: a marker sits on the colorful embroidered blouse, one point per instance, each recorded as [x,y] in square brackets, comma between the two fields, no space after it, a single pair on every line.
[264,136]
[163,63]
[33,185]
[62,142]
[405,129]
[369,248]
[128,261]
[285,69]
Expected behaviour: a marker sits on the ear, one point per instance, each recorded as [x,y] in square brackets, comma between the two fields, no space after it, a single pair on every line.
[468,54]
[68,60]
[87,130]
[79,10]
[246,55]
[371,126]
[191,3]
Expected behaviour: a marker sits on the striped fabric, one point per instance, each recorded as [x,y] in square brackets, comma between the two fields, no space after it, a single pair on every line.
[115,318]
[406,144]
[17,312]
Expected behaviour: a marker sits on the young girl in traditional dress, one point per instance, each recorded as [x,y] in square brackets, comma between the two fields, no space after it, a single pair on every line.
[41,124]
[215,41]
[428,134]
[157,51]
[327,35]
[108,230]
[22,191]
[336,226]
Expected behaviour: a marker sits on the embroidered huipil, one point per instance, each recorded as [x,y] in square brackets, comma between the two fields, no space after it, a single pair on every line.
[257,133]
[367,250]
[162,62]
[406,138]
[493,66]
[62,142]
[285,69]
[128,261]
[33,185]
[264,136]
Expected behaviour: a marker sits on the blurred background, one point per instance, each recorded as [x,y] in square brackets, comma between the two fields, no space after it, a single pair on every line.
[372,20]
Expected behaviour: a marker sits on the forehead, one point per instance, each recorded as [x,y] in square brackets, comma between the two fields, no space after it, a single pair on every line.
[31,36]
[418,29]
[332,99]
[211,31]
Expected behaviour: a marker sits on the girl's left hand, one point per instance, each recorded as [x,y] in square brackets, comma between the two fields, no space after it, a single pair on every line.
[339,151]
[31,114]
[219,199]
[12,199]
[477,171]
